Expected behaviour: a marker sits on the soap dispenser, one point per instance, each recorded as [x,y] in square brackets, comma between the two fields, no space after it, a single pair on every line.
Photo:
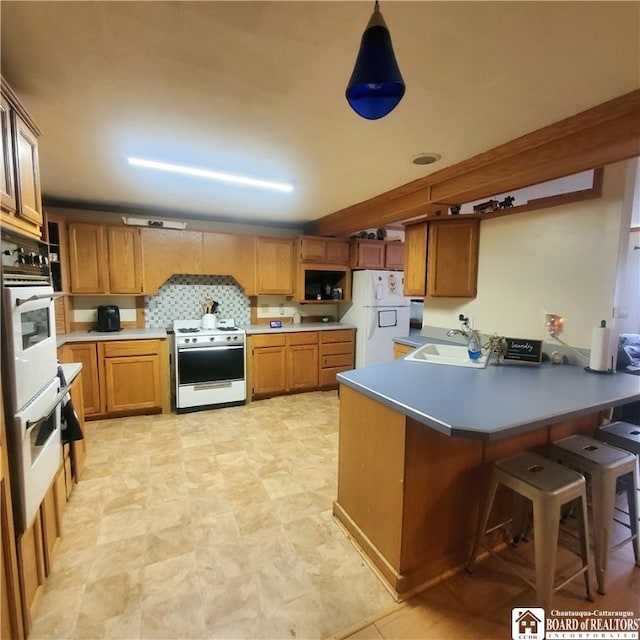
[473,345]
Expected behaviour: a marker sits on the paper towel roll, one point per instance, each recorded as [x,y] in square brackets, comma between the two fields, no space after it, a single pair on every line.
[599,359]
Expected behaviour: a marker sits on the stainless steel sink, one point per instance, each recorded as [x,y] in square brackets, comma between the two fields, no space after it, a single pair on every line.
[451,354]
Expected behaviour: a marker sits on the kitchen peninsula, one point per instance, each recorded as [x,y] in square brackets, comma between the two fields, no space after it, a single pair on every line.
[417,441]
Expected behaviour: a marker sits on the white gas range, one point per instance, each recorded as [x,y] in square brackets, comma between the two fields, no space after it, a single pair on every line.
[210,365]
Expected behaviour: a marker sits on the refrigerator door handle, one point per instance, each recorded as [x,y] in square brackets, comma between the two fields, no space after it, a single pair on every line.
[373,313]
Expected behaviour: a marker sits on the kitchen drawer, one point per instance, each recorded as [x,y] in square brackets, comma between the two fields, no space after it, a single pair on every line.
[337,360]
[131,348]
[327,377]
[338,335]
[336,347]
[266,340]
[302,337]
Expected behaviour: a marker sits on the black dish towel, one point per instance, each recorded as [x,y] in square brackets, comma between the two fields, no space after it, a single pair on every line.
[71,429]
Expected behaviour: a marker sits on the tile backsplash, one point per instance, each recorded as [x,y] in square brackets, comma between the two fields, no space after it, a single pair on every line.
[181,297]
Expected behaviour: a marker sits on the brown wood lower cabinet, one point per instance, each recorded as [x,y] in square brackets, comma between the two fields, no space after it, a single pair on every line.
[283,363]
[337,353]
[400,350]
[298,361]
[132,375]
[302,361]
[51,510]
[121,377]
[31,566]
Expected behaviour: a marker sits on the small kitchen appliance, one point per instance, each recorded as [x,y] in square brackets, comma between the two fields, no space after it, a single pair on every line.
[108,317]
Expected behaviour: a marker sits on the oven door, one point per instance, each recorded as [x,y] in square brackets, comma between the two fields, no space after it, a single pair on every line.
[36,450]
[31,336]
[203,365]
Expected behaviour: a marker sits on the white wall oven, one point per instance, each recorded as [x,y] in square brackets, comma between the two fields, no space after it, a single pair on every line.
[32,397]
[36,452]
[30,326]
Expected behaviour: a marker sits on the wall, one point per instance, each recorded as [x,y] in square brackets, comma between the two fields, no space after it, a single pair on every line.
[561,260]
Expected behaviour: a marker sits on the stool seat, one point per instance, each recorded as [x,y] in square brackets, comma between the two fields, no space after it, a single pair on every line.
[548,486]
[538,474]
[606,466]
[621,434]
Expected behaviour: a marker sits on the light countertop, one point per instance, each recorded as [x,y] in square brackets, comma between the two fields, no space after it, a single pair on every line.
[71,371]
[490,403]
[124,334]
[290,327]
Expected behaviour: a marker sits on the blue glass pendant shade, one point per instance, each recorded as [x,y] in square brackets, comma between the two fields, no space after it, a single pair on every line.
[376,85]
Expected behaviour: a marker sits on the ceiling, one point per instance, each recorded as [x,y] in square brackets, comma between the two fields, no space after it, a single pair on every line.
[257,88]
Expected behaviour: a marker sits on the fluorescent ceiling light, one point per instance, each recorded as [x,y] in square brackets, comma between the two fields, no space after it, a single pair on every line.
[211,175]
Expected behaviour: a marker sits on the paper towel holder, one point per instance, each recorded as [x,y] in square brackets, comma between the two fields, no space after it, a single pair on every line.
[610,370]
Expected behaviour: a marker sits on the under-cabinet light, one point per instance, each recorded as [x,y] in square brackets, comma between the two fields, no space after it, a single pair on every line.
[211,175]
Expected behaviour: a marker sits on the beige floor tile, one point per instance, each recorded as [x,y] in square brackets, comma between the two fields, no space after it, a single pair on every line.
[49,623]
[170,578]
[181,617]
[125,523]
[114,595]
[117,556]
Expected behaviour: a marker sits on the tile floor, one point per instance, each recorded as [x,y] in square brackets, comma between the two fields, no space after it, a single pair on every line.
[212,524]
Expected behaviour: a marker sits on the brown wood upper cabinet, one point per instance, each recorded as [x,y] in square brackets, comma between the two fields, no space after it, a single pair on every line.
[19,169]
[274,266]
[228,254]
[165,252]
[323,250]
[377,254]
[104,259]
[442,258]
[415,269]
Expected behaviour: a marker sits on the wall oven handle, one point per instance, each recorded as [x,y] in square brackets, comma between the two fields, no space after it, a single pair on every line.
[31,424]
[43,296]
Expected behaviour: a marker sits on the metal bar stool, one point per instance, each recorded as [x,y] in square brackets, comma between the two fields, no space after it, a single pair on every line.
[548,486]
[623,435]
[604,466]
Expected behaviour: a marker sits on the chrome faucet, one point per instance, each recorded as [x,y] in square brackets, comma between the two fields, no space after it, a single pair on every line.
[464,331]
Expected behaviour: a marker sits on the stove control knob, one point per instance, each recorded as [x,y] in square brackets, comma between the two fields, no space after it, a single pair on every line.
[228,338]
[212,339]
[187,340]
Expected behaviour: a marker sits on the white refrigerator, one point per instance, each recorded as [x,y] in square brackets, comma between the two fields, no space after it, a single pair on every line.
[380,313]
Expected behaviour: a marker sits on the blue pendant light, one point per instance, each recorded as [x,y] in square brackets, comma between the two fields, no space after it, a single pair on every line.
[376,86]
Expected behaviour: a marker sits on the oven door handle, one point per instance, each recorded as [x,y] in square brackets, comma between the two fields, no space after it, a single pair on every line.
[32,424]
[42,296]
[223,347]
